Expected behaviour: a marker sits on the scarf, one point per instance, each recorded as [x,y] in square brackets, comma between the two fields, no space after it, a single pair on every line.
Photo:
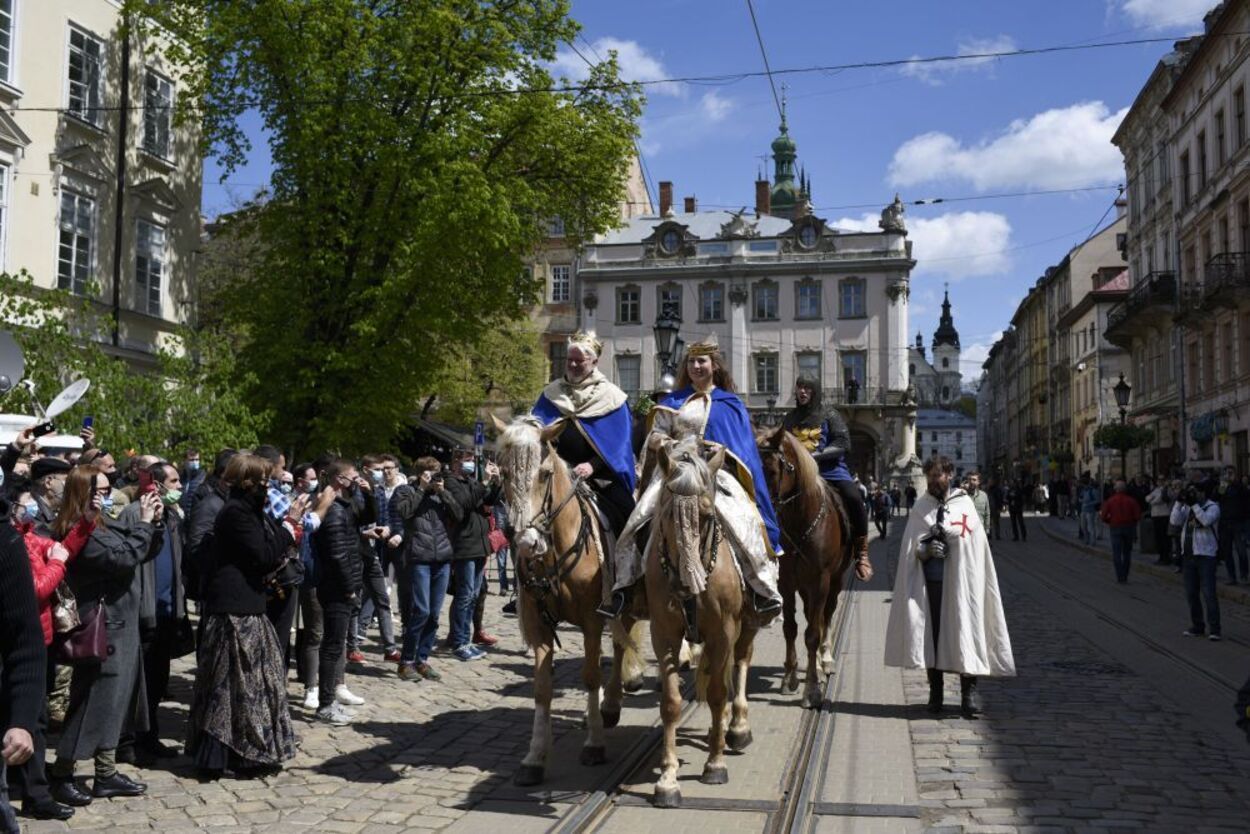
[594,396]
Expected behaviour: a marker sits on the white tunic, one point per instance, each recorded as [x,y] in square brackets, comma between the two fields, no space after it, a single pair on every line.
[973,638]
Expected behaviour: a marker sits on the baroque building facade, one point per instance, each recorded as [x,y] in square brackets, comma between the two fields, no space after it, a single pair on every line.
[938,383]
[785,294]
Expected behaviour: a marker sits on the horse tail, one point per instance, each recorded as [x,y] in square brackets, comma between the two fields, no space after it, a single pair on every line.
[523,622]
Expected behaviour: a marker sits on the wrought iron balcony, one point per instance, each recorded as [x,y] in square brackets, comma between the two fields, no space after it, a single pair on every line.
[1226,275]
[1152,296]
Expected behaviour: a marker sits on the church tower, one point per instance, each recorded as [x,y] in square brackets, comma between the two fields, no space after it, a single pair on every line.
[785,194]
[946,355]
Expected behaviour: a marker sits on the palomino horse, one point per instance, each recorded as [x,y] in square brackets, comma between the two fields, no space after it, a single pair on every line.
[557,552]
[689,557]
[816,559]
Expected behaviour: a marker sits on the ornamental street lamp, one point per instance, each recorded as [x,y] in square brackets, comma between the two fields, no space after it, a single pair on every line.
[667,326]
[1122,390]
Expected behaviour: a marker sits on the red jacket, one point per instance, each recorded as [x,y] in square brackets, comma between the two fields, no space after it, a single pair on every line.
[1121,510]
[48,573]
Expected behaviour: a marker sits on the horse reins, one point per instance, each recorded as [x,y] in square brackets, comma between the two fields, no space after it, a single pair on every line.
[542,584]
[783,502]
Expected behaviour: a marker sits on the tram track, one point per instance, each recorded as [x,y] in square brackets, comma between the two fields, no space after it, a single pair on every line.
[792,809]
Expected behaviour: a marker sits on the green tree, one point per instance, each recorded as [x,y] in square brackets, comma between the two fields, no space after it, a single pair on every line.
[506,364]
[418,148]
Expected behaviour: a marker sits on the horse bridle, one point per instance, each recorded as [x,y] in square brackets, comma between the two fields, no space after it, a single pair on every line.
[542,584]
[791,469]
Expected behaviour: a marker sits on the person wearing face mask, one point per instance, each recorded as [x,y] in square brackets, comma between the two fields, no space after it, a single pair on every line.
[308,636]
[375,558]
[946,614]
[465,499]
[210,497]
[240,720]
[164,628]
[47,476]
[706,406]
[103,460]
[192,475]
[103,697]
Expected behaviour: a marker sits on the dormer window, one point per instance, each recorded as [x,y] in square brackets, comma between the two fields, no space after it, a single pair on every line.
[670,242]
[808,236]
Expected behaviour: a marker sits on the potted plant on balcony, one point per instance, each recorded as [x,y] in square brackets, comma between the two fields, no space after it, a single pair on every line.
[1122,437]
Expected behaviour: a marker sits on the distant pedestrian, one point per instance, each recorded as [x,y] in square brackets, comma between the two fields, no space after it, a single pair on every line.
[979,499]
[1160,500]
[880,510]
[1017,497]
[1089,501]
[1198,518]
[910,492]
[996,498]
[1231,496]
[1121,512]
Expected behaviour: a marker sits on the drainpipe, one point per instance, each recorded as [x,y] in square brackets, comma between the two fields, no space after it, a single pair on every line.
[123,126]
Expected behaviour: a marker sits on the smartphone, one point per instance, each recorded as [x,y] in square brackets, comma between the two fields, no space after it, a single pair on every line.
[88,422]
[42,429]
[146,484]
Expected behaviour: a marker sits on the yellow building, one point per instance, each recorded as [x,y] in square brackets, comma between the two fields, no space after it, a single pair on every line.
[99,191]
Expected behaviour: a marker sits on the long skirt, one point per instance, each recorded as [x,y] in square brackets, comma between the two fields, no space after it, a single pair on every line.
[239,713]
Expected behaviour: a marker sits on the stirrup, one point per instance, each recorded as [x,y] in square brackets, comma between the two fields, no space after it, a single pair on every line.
[765,604]
[612,609]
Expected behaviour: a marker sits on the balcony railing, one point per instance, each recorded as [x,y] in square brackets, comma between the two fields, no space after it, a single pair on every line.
[1156,290]
[1225,274]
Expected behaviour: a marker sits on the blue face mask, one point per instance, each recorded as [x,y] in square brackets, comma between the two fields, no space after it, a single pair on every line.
[32,509]
[285,488]
[468,467]
[193,466]
[107,504]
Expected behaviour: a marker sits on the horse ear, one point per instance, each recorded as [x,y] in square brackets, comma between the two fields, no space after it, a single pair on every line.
[550,433]
[717,460]
[500,425]
[777,436]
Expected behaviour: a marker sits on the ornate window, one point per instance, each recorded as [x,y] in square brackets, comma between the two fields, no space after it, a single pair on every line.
[629,374]
[670,242]
[6,41]
[561,283]
[808,365]
[628,305]
[158,100]
[75,248]
[766,378]
[764,301]
[86,78]
[807,298]
[150,266]
[851,302]
[668,299]
[855,366]
[712,302]
[809,236]
[557,352]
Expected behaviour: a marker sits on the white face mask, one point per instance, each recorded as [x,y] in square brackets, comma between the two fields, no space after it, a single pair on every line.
[468,467]
[311,487]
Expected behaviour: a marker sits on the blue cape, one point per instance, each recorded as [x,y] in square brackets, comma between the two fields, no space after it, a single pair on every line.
[729,425]
[611,435]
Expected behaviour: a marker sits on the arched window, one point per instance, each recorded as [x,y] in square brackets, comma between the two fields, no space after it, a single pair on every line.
[946,362]
[946,392]
[911,370]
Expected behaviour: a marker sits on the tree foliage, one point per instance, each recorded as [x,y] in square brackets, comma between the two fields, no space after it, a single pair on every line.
[410,178]
[505,365]
[1122,436]
[191,398]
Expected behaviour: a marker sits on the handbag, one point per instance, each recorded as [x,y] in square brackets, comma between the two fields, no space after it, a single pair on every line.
[65,611]
[89,644]
[184,638]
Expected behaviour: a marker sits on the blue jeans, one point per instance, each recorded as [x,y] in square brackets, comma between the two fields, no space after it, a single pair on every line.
[1089,526]
[8,818]
[428,587]
[1122,550]
[468,575]
[1200,572]
[501,562]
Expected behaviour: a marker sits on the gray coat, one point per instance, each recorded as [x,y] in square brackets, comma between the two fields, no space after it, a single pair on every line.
[106,700]
[147,599]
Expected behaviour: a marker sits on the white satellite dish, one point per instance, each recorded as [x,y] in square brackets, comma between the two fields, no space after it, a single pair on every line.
[65,400]
[12,363]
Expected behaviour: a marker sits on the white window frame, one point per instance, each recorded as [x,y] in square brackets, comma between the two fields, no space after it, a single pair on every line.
[765,363]
[634,301]
[634,360]
[860,294]
[75,254]
[758,296]
[561,283]
[159,119]
[5,190]
[149,265]
[863,357]
[799,356]
[808,286]
[712,302]
[92,98]
[8,74]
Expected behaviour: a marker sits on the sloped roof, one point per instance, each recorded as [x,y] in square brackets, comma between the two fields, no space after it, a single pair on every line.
[704,225]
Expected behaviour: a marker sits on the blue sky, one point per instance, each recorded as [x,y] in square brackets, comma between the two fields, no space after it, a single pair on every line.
[969,129]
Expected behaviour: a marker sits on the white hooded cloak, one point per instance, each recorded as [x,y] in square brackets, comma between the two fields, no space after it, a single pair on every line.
[973,639]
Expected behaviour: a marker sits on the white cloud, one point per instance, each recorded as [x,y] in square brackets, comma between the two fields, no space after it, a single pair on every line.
[933,72]
[715,107]
[688,126]
[1163,14]
[961,244]
[1067,147]
[636,63]
[974,355]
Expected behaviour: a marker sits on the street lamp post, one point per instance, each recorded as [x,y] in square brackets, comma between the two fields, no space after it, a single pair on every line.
[667,342]
[1122,390]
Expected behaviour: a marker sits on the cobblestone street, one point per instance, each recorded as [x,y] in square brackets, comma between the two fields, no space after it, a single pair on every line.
[1116,722]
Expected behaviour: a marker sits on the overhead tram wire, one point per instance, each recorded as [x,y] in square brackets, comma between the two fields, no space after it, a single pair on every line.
[764,54]
[719,78]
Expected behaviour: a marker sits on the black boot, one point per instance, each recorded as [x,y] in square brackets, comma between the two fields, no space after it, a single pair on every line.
[935,691]
[765,605]
[612,608]
[969,701]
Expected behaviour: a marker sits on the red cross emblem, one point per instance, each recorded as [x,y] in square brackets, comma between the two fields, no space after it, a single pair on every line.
[963,524]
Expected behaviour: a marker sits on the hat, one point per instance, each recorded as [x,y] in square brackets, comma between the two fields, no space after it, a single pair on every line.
[587,342]
[48,466]
[707,346]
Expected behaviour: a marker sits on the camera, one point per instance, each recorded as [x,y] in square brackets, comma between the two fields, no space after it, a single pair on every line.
[1189,496]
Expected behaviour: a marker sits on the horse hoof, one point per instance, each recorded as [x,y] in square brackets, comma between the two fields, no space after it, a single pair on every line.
[528,775]
[632,687]
[592,756]
[737,740]
[715,775]
[790,684]
[666,798]
[813,700]
[610,718]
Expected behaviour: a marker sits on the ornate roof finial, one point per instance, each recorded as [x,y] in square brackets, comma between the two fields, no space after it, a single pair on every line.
[784,89]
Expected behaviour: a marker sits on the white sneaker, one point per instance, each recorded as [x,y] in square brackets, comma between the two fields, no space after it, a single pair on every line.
[334,714]
[312,698]
[345,696]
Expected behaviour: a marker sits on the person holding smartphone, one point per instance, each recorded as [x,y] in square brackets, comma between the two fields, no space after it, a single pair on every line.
[426,567]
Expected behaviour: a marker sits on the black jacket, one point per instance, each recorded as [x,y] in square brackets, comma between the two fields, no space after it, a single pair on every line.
[469,527]
[427,538]
[22,660]
[210,497]
[336,549]
[1232,500]
[247,546]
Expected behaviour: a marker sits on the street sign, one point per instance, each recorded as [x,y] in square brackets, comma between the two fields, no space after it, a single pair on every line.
[479,434]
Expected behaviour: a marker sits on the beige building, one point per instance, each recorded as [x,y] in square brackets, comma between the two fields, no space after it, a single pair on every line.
[99,191]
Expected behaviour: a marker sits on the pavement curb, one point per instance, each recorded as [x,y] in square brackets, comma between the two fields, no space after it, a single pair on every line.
[1228,592]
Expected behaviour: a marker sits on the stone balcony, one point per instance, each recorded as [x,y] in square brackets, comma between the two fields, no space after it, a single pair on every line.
[1151,302]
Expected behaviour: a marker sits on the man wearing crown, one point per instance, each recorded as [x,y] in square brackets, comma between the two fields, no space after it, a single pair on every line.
[595,440]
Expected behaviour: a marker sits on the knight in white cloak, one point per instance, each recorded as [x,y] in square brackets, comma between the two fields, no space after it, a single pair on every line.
[946,614]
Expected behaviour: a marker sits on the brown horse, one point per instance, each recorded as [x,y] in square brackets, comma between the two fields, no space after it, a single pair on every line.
[817,556]
[690,558]
[559,573]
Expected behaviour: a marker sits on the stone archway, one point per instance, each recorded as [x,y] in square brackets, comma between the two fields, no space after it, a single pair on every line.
[863,456]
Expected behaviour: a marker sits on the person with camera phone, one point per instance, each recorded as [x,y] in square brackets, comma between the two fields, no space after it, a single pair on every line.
[1198,518]
[947,613]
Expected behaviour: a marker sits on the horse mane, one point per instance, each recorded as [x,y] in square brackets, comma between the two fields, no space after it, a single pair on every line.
[806,470]
[690,477]
[521,453]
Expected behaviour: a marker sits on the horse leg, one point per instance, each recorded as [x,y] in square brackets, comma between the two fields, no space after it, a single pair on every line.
[813,637]
[633,665]
[667,793]
[613,692]
[719,668]
[739,736]
[826,640]
[534,764]
[594,751]
[789,624]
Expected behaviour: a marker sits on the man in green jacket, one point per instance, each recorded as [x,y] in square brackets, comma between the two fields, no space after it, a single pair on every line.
[979,499]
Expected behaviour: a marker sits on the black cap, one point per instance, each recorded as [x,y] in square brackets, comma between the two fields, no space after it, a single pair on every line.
[48,466]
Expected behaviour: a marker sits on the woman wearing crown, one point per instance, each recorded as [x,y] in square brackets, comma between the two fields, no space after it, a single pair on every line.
[706,406]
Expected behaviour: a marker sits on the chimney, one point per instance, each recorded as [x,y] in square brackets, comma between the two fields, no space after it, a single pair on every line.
[763,198]
[691,205]
[666,198]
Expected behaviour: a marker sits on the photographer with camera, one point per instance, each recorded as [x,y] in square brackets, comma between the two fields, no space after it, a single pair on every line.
[1198,518]
[947,613]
